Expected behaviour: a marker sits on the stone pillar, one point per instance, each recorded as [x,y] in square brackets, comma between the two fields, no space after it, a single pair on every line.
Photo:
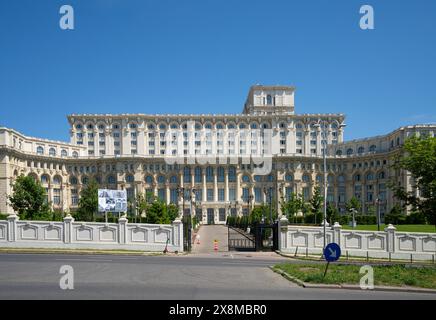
[283,233]
[226,185]
[204,187]
[178,234]
[337,233]
[390,239]
[215,185]
[122,228]
[12,227]
[68,229]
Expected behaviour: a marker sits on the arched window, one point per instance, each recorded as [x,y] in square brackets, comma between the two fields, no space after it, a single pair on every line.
[197,174]
[361,150]
[73,180]
[231,126]
[150,126]
[78,126]
[330,179]
[90,126]
[173,179]
[45,178]
[85,180]
[219,126]
[98,179]
[258,178]
[269,100]
[174,126]
[341,179]
[382,175]
[161,179]
[339,152]
[130,178]
[75,154]
[57,180]
[187,174]
[132,125]
[162,126]
[299,126]
[111,180]
[245,178]
[220,174]
[265,126]
[242,126]
[40,150]
[209,174]
[208,126]
[306,178]
[349,152]
[101,127]
[149,179]
[289,177]
[52,152]
[370,176]
[253,126]
[232,174]
[357,177]
[64,153]
[372,148]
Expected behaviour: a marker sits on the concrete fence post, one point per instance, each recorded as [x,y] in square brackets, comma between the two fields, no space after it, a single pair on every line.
[390,238]
[68,228]
[178,233]
[12,227]
[337,233]
[283,231]
[122,224]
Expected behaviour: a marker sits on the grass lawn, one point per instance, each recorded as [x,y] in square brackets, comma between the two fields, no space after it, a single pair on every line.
[395,275]
[400,227]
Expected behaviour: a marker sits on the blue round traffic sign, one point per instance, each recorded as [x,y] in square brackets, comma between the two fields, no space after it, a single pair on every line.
[332,252]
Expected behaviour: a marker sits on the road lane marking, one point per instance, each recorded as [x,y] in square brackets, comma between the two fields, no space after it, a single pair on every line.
[90,260]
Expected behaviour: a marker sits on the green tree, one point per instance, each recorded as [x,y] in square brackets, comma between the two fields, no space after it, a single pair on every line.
[157,213]
[28,198]
[419,158]
[355,204]
[316,202]
[292,206]
[88,202]
[332,214]
[173,211]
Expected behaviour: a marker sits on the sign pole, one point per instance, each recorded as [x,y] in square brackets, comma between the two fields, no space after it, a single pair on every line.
[105,216]
[326,267]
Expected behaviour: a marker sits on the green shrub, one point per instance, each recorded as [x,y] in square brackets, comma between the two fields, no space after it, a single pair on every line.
[345,219]
[415,218]
[366,219]
[3,216]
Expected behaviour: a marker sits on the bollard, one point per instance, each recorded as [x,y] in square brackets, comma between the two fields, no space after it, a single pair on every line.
[296,251]
[307,251]
[367,256]
[411,258]
[389,257]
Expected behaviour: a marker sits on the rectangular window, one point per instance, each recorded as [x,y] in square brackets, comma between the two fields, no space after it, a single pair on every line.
[57,196]
[232,194]
[162,194]
[220,194]
[210,195]
[74,197]
[258,194]
[173,195]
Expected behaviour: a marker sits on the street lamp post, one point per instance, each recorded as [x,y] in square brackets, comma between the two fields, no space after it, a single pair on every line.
[269,194]
[378,201]
[324,144]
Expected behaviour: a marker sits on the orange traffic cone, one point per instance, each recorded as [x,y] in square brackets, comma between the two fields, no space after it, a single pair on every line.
[215,245]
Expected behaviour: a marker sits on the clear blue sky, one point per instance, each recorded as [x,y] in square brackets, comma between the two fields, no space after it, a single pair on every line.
[161,56]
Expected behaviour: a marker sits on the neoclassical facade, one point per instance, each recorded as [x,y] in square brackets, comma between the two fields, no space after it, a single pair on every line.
[212,165]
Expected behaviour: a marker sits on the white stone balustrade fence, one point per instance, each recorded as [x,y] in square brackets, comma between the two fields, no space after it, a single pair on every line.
[388,244]
[70,234]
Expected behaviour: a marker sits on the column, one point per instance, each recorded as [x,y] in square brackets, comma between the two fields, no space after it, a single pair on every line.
[215,185]
[68,229]
[122,236]
[226,184]
[204,186]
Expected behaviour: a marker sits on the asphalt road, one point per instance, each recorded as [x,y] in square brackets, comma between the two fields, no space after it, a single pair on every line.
[203,276]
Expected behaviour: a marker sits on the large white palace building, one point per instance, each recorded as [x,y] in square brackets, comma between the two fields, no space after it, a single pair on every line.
[225,163]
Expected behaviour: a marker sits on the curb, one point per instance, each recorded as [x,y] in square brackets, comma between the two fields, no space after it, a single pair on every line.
[348,286]
[81,252]
[358,261]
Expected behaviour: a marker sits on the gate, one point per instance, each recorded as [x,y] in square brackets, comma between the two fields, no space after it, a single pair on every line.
[239,240]
[266,237]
